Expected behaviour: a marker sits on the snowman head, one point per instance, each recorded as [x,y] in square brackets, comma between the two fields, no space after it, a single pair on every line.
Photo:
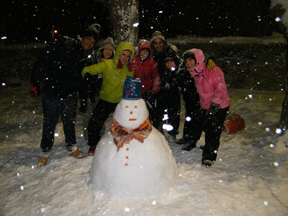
[131,114]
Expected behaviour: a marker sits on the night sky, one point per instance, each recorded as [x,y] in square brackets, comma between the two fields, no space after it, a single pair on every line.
[27,20]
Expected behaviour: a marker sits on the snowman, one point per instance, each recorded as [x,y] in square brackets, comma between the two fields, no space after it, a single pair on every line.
[133,159]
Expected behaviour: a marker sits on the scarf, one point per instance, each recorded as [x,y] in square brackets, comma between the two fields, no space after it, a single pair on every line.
[122,135]
[119,64]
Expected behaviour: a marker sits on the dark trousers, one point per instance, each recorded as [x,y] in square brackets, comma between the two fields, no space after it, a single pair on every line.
[101,112]
[155,114]
[169,100]
[52,109]
[213,128]
[193,117]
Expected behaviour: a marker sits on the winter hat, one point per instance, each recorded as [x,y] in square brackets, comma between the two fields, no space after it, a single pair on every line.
[92,31]
[132,88]
[168,58]
[145,49]
[157,35]
[189,54]
[108,43]
[144,44]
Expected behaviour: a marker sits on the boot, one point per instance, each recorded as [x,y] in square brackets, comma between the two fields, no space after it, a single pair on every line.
[171,137]
[207,163]
[42,161]
[43,158]
[91,151]
[77,153]
[181,141]
[189,146]
[74,151]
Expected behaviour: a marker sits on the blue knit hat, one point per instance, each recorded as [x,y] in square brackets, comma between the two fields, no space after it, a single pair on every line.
[132,88]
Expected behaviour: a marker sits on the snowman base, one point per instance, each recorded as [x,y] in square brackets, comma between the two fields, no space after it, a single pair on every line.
[138,170]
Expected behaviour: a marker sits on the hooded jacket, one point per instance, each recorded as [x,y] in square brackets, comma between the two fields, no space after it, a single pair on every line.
[113,77]
[146,69]
[210,84]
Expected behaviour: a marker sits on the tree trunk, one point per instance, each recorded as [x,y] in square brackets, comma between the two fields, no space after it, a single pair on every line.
[124,18]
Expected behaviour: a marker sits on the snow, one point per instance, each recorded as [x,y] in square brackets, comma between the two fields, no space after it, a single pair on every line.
[249,177]
[275,38]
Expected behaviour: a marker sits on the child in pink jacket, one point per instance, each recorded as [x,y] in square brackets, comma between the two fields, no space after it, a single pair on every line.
[214,101]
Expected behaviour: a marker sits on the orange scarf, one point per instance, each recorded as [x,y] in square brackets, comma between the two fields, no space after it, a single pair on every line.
[122,135]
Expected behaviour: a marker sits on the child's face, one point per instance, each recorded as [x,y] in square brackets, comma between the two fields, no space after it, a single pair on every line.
[144,54]
[124,57]
[190,63]
[170,65]
[107,53]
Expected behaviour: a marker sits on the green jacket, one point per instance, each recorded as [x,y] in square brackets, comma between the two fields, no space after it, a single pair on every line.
[113,78]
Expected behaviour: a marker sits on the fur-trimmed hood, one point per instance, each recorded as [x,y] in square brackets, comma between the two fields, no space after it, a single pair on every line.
[144,44]
[200,58]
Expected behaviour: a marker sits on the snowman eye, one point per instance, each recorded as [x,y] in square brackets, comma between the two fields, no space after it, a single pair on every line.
[135,107]
[126,106]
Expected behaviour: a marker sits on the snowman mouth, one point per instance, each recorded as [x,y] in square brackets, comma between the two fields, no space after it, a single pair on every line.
[132,119]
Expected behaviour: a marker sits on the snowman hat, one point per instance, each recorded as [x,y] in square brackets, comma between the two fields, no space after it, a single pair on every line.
[132,88]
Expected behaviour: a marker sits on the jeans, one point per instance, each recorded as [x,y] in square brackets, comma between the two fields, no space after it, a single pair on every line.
[52,109]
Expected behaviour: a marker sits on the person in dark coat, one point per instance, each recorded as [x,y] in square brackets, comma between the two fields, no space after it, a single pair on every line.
[192,105]
[58,69]
[168,97]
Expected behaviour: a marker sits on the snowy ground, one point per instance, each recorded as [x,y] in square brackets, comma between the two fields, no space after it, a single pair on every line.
[249,178]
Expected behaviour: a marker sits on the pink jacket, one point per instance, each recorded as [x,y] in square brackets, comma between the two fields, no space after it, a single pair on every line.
[210,84]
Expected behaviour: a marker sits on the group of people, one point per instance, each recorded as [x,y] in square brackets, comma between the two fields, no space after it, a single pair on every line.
[97,78]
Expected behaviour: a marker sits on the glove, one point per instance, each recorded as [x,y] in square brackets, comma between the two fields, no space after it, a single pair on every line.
[210,64]
[212,110]
[35,90]
[87,77]
[83,106]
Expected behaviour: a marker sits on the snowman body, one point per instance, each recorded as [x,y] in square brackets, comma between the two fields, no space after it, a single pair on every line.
[138,169]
